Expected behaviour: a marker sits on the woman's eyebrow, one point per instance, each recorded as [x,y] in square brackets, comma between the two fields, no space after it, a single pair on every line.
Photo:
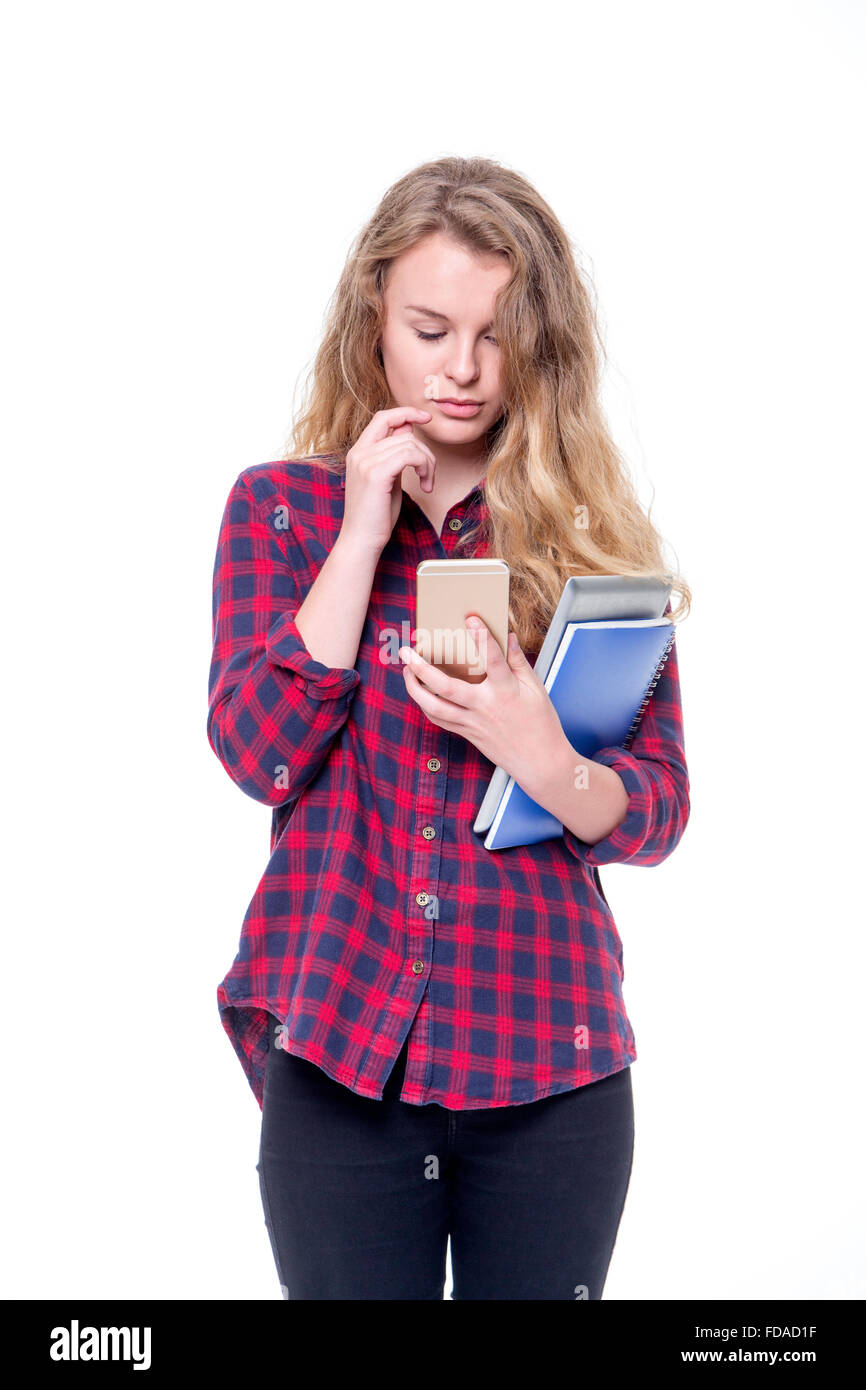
[434,313]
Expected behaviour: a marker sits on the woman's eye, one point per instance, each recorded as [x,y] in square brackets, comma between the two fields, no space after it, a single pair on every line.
[434,337]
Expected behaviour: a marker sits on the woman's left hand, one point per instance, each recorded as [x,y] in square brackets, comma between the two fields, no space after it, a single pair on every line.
[509,716]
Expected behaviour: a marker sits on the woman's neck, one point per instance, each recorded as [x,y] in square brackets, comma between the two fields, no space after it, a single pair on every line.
[450,485]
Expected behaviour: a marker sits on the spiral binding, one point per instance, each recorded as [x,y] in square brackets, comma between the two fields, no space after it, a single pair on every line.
[650,688]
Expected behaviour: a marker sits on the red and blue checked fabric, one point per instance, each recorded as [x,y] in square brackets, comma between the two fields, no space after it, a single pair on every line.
[380,914]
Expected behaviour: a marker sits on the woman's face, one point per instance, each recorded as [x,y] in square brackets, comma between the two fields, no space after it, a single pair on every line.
[438,338]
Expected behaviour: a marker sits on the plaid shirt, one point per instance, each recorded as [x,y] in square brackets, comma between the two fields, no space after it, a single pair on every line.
[380,914]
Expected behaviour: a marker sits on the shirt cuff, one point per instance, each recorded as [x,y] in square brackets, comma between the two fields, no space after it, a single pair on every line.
[285,646]
[629,837]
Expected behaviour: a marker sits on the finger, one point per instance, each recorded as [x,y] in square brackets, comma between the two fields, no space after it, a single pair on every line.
[449,688]
[517,658]
[436,708]
[385,420]
[424,467]
[490,657]
[400,440]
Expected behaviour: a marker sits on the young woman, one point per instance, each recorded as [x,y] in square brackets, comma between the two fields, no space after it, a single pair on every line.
[435,1032]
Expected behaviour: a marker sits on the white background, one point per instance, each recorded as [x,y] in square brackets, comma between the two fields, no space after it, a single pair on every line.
[182,184]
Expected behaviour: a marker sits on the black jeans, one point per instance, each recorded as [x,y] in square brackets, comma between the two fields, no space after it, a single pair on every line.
[360,1196]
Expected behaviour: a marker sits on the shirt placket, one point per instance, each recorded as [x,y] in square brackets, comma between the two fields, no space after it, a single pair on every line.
[426,860]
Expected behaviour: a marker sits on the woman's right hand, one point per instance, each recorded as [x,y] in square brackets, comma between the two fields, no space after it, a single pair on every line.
[374,467]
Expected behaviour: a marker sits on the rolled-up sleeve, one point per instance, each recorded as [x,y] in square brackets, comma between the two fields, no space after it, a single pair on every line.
[285,647]
[655,775]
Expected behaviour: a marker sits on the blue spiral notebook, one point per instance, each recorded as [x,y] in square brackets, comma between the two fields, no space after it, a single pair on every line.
[600,682]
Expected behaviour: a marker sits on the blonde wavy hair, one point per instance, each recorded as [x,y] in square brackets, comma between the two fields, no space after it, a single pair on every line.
[550,453]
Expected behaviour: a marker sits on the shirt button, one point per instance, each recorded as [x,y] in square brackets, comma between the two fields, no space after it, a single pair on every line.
[417,966]
[455,523]
[428,832]
[422,898]
[433,764]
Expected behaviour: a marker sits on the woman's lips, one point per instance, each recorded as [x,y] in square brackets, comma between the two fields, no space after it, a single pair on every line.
[458,412]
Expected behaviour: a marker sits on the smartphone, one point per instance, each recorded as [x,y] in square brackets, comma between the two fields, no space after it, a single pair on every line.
[448,591]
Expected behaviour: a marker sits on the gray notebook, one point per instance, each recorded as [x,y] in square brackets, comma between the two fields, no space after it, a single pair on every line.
[586,598]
